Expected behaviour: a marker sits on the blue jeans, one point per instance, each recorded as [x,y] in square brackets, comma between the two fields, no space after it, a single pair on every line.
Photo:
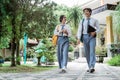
[62,51]
[89,45]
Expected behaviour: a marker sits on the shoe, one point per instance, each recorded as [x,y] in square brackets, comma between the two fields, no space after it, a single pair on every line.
[88,70]
[92,70]
[63,71]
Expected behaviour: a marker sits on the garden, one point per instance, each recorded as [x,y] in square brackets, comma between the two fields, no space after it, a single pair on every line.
[22,20]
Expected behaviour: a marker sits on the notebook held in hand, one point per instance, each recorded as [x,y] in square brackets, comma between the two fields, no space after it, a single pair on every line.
[91,29]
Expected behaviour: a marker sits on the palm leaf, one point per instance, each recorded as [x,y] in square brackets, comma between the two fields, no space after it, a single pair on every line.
[116,18]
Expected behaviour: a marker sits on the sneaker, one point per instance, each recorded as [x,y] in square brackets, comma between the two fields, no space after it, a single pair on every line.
[88,70]
[63,71]
[92,70]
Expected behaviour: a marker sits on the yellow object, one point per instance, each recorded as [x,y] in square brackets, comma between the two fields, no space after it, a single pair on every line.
[55,37]
[109,26]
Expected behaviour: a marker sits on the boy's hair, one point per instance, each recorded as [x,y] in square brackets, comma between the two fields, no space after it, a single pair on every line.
[89,9]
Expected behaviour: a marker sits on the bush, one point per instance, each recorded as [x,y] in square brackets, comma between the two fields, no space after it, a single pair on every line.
[73,40]
[8,59]
[45,48]
[115,61]
[71,48]
[101,50]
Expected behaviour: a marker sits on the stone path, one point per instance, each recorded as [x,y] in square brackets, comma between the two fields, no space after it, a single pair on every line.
[103,72]
[75,71]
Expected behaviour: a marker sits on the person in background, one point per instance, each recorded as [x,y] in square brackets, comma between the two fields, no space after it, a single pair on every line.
[63,32]
[87,30]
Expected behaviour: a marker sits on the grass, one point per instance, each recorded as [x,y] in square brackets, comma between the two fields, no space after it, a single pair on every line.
[115,61]
[24,68]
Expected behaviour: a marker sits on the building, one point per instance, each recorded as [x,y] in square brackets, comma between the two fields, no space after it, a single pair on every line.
[102,10]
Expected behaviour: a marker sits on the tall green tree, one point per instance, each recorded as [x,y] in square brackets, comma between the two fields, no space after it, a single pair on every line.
[5,24]
[61,10]
[44,22]
[75,15]
[36,19]
[33,17]
[116,24]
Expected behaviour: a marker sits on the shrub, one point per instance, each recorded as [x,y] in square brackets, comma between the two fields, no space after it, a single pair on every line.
[73,40]
[8,58]
[101,50]
[115,61]
[71,48]
[45,48]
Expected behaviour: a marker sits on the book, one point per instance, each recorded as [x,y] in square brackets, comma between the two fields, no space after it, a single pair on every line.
[91,29]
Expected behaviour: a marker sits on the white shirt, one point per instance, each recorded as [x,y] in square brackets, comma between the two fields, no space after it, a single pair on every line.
[93,22]
[58,29]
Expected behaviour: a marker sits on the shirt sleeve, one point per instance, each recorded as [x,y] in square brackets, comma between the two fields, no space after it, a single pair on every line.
[56,31]
[97,26]
[79,30]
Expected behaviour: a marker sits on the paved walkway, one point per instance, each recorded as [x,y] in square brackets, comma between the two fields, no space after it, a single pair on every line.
[76,71]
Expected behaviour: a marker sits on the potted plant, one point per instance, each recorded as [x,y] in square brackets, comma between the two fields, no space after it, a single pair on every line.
[115,49]
[101,52]
[39,50]
[1,60]
[45,52]
[50,52]
[71,48]
[71,53]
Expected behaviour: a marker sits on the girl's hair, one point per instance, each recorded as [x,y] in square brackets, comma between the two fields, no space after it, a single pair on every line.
[61,18]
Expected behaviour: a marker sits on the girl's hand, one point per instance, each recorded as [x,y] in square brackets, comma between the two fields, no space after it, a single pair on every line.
[64,31]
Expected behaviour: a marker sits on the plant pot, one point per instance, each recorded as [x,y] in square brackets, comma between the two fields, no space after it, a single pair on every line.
[1,61]
[100,58]
[50,63]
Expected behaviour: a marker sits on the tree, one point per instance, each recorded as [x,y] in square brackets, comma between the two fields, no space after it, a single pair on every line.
[43,22]
[5,25]
[116,24]
[75,15]
[22,18]
[61,10]
[35,17]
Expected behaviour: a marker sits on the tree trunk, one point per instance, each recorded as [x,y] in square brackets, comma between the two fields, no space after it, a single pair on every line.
[38,61]
[13,42]
[17,53]
[13,53]
[4,52]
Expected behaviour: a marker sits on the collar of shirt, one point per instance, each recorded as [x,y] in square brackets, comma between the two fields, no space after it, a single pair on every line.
[87,18]
[62,24]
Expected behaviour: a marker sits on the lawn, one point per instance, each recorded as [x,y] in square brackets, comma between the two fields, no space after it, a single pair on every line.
[24,68]
[114,61]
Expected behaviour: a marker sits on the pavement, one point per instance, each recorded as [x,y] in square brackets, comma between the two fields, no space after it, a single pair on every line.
[75,71]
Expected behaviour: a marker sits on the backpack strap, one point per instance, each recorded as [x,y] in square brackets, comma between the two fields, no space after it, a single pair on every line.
[58,27]
[82,26]
[81,39]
